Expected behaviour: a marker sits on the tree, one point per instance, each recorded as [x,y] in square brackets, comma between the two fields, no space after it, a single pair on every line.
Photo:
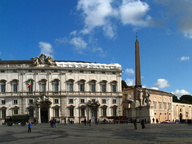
[175,99]
[186,99]
[124,84]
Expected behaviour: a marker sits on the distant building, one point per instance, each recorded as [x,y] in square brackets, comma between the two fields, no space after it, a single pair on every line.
[65,90]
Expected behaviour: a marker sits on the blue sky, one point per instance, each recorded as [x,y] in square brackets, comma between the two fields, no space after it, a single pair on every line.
[104,31]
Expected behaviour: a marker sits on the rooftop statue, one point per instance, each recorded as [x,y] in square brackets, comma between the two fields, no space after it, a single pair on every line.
[43,59]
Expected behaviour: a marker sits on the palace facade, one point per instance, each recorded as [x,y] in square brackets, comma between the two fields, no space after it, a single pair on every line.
[65,90]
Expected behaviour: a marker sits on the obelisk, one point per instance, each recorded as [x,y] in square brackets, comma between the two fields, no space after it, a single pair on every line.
[137,65]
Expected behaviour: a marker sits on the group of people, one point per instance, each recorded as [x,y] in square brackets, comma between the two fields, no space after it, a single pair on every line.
[142,123]
[53,123]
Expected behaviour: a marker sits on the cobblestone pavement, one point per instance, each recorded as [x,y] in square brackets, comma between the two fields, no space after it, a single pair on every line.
[97,134]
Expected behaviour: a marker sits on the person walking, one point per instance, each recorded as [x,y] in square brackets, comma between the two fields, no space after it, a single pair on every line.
[135,123]
[29,127]
[143,123]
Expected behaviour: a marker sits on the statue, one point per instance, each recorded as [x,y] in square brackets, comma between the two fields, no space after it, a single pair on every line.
[146,96]
[42,59]
[139,95]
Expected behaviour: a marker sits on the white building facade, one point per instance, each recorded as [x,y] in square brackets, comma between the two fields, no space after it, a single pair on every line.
[64,90]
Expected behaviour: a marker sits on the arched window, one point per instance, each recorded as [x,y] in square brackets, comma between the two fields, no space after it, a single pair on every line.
[14,84]
[55,85]
[93,85]
[30,85]
[103,86]
[114,86]
[82,85]
[3,86]
[114,110]
[70,85]
[43,85]
[104,110]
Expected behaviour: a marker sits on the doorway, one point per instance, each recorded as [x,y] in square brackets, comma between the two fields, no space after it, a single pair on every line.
[44,115]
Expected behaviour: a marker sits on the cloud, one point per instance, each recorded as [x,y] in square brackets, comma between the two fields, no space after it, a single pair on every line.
[179,93]
[184,58]
[130,82]
[78,43]
[133,12]
[155,88]
[130,71]
[161,83]
[103,13]
[102,53]
[46,48]
[180,11]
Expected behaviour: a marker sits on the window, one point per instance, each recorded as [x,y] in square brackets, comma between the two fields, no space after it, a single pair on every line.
[56,85]
[93,100]
[81,71]
[103,86]
[14,101]
[114,101]
[30,71]
[92,71]
[114,111]
[82,85]
[56,101]
[42,70]
[165,105]
[103,72]
[14,71]
[3,113]
[14,86]
[55,71]
[104,101]
[2,71]
[30,101]
[114,86]
[113,73]
[93,86]
[56,112]
[155,104]
[3,102]
[43,85]
[71,111]
[70,85]
[30,85]
[15,111]
[3,85]
[70,71]
[82,101]
[104,111]
[71,101]
[82,112]
[31,113]
[160,105]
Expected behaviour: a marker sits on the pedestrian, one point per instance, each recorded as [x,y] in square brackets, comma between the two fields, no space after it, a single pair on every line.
[29,127]
[85,122]
[90,122]
[143,123]
[135,123]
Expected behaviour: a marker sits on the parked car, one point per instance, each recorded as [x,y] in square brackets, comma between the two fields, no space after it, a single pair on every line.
[166,121]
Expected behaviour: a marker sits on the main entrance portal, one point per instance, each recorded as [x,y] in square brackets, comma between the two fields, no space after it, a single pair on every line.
[44,115]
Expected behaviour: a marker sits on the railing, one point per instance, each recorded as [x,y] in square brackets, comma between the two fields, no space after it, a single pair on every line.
[52,93]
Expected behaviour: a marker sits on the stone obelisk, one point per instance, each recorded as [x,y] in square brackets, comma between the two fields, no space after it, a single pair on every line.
[137,65]
[138,85]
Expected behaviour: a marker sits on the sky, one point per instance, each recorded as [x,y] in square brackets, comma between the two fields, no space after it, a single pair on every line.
[104,31]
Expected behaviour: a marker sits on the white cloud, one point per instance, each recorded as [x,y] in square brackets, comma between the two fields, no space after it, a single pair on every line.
[133,12]
[179,93]
[130,82]
[46,48]
[155,88]
[102,53]
[130,71]
[161,83]
[78,43]
[184,58]
[95,13]
[180,11]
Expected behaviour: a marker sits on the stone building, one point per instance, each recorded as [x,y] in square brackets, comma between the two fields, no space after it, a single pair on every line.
[46,88]
[160,108]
